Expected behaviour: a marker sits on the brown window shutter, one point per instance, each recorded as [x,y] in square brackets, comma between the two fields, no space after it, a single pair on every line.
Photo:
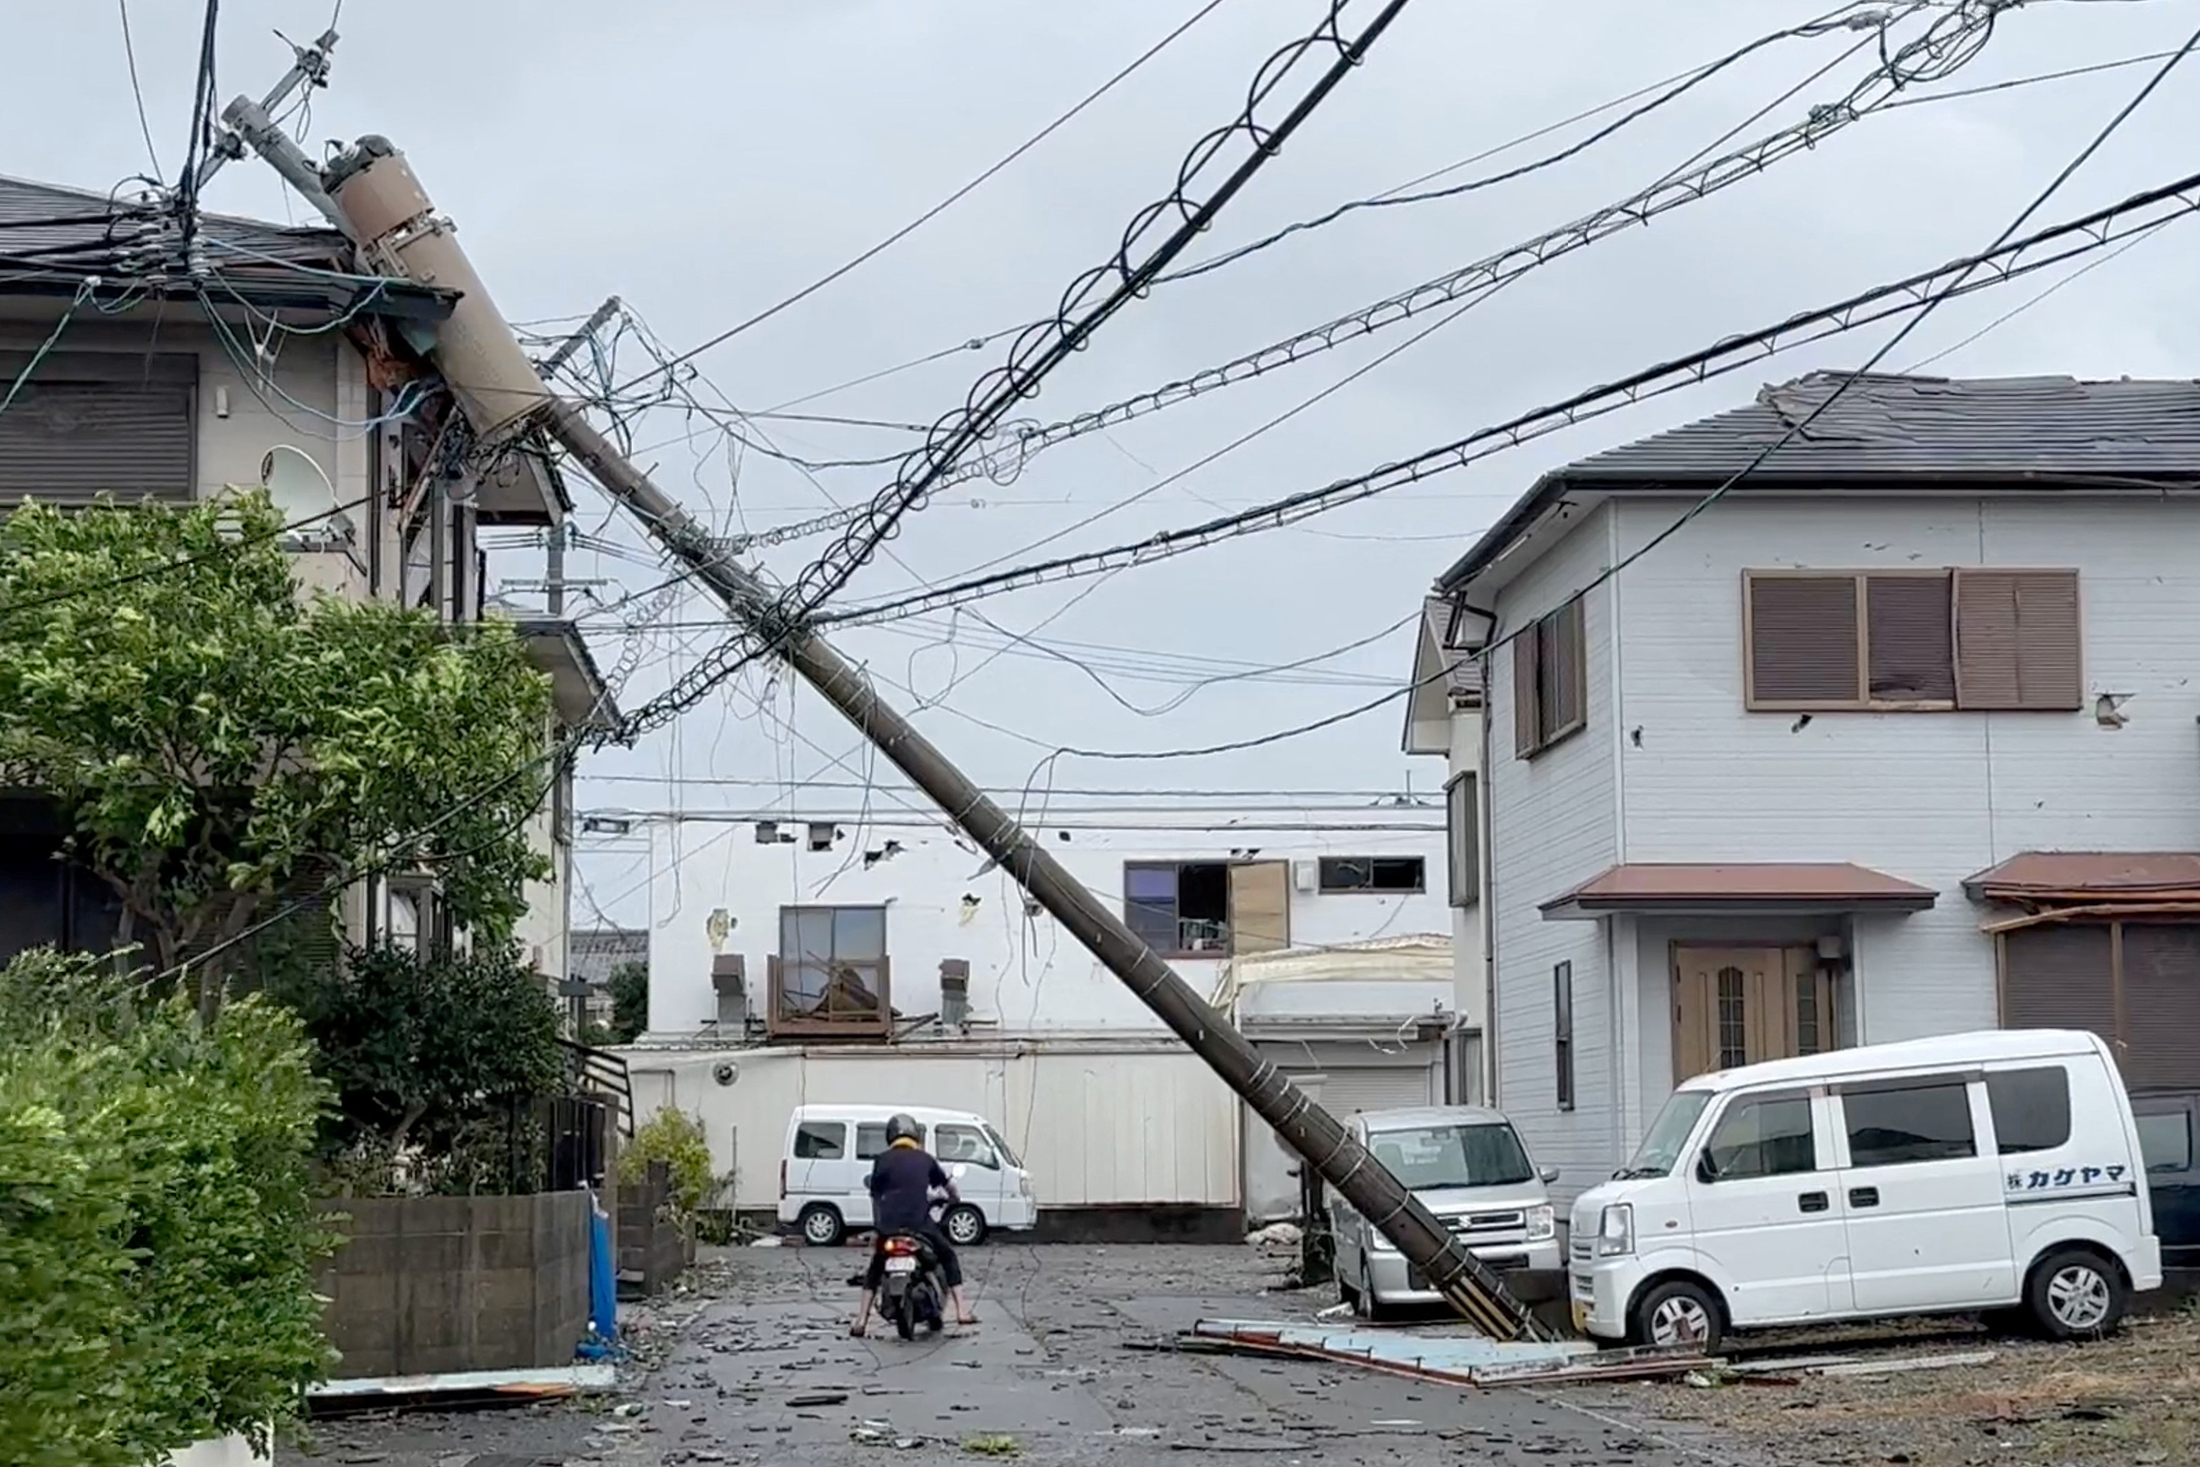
[1527,707]
[1910,639]
[1803,641]
[2058,977]
[2161,1006]
[2017,641]
[1562,660]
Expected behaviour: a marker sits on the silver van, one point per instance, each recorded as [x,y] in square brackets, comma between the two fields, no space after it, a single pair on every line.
[1467,1166]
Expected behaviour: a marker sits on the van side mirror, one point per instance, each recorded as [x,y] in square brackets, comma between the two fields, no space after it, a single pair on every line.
[1707,1170]
[1549,1174]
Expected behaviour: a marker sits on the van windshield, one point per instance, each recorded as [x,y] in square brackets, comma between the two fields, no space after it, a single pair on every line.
[1425,1158]
[1661,1147]
[1008,1157]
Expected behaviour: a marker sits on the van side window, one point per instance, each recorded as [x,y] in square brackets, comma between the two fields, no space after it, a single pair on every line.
[2165,1141]
[820,1141]
[1906,1121]
[871,1139]
[2031,1109]
[1770,1137]
[965,1145]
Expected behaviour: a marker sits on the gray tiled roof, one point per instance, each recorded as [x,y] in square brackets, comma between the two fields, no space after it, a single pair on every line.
[1888,426]
[22,201]
[2004,431]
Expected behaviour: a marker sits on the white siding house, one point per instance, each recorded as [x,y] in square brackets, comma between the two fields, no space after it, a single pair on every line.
[1896,738]
[882,958]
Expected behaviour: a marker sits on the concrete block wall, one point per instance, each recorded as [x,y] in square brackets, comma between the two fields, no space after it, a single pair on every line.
[428,1285]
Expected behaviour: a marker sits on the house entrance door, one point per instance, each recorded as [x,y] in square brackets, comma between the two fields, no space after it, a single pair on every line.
[1742,1005]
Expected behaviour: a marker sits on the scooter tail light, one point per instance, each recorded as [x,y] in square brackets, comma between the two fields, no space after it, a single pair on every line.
[900,1246]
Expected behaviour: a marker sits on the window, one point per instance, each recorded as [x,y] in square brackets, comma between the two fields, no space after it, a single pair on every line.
[1463,840]
[1373,873]
[1925,640]
[1899,1123]
[830,976]
[1562,1026]
[871,1140]
[1486,1154]
[2165,1141]
[965,1146]
[1550,680]
[1182,909]
[820,1141]
[1768,1137]
[2132,983]
[1001,1147]
[2031,1109]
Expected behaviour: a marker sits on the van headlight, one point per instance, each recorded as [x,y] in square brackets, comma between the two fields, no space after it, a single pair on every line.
[1542,1224]
[1616,1231]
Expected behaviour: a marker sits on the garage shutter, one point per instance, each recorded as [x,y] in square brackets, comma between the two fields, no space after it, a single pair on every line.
[2161,1005]
[1349,1089]
[2057,977]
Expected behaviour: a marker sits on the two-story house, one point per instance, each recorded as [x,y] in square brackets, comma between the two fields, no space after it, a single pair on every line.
[878,956]
[1896,737]
[141,368]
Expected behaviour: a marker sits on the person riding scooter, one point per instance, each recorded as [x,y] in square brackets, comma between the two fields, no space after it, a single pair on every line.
[901,1184]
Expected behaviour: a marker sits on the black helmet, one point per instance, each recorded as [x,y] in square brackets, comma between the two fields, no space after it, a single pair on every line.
[903,1127]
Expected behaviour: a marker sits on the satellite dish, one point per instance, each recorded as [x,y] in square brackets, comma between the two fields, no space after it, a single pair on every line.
[302,490]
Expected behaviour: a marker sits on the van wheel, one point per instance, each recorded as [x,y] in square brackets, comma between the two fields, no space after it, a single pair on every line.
[964,1225]
[2075,1294]
[821,1226]
[1677,1314]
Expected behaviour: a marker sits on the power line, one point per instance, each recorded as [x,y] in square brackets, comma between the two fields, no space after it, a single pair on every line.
[1101,292]
[137,91]
[945,204]
[203,93]
[1875,18]
[2010,261]
[1950,43]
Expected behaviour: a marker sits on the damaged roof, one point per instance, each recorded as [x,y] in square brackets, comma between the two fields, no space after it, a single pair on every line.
[1886,430]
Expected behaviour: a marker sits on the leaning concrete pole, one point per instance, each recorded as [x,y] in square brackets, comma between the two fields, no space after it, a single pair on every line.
[383,206]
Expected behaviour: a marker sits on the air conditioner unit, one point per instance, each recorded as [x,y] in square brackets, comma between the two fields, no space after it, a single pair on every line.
[1306,875]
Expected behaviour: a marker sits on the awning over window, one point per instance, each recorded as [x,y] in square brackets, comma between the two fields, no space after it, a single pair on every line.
[2090,876]
[1740,888]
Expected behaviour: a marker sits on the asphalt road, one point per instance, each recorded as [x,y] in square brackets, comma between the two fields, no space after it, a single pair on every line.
[766,1373]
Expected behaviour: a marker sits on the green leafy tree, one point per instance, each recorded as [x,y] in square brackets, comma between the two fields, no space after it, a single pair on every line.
[216,738]
[629,987]
[427,1050]
[675,1138]
[158,1235]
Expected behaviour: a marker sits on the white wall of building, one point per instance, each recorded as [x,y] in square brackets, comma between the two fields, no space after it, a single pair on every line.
[1026,975]
[1100,1122]
[1554,823]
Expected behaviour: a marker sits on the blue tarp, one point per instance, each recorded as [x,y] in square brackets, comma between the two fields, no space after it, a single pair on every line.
[603,1286]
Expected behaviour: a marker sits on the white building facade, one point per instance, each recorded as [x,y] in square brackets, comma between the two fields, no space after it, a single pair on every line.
[1895,739]
[858,956]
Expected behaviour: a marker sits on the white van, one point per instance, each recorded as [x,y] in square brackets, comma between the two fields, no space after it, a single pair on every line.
[1996,1173]
[828,1156]
[1468,1167]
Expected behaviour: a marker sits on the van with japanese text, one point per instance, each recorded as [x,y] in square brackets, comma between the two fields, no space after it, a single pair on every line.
[1996,1173]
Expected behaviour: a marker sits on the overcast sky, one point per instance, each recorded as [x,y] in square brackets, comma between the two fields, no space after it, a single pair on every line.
[701,161]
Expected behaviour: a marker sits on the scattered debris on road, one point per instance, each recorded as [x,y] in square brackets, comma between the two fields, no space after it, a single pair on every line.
[993,1445]
[476,1388]
[1455,1359]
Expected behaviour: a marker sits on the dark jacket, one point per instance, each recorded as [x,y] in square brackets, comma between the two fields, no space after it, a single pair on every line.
[901,1184]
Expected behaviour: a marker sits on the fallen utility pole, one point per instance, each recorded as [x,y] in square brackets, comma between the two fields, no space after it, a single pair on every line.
[381,204]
